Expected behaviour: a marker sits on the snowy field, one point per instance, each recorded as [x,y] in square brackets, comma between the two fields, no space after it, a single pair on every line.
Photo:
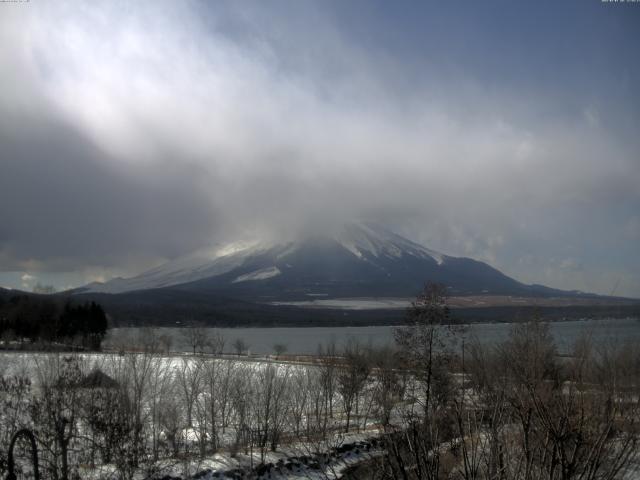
[157,414]
[197,417]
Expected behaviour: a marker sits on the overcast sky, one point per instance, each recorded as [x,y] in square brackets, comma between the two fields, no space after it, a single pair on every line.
[135,132]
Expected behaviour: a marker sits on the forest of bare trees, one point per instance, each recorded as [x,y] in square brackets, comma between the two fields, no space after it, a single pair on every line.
[513,410]
[439,407]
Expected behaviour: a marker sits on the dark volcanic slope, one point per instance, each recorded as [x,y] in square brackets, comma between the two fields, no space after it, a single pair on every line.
[325,268]
[361,260]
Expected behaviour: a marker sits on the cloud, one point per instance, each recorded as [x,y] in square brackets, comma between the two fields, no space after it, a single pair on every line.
[632,228]
[136,133]
[27,281]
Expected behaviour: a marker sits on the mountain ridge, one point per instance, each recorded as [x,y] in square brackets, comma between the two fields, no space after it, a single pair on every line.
[359,259]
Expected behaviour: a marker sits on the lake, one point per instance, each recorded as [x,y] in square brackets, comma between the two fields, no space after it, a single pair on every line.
[305,340]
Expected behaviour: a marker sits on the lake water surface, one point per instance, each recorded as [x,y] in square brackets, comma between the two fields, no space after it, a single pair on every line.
[305,340]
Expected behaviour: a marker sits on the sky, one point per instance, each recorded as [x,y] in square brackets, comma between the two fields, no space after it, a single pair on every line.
[132,133]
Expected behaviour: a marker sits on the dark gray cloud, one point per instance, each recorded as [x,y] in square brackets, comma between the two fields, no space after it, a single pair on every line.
[136,133]
[65,207]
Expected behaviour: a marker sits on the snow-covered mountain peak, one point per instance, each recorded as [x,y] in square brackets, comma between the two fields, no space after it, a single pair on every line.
[259,260]
[367,239]
[354,260]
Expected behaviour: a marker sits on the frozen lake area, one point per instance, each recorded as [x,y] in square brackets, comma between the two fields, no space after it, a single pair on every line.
[305,340]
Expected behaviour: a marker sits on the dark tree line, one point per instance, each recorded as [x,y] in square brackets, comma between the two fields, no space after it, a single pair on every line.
[37,319]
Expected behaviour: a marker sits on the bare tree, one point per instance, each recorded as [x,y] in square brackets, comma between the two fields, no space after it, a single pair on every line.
[423,342]
[264,403]
[279,349]
[535,417]
[281,406]
[133,372]
[215,341]
[300,395]
[240,346]
[189,379]
[390,383]
[160,386]
[169,421]
[242,397]
[215,398]
[55,411]
[213,402]
[328,361]
[414,448]
[15,402]
[318,411]
[352,376]
[228,373]
[195,335]
[149,340]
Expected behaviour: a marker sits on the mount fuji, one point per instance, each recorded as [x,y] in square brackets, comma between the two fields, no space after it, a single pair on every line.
[357,260]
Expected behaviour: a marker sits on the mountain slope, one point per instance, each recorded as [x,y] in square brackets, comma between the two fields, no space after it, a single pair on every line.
[357,260]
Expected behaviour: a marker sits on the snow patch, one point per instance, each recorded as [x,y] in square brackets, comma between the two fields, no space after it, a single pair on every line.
[352,248]
[381,303]
[261,274]
[363,239]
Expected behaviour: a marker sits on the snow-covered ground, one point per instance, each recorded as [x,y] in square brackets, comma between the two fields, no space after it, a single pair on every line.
[364,303]
[261,395]
[180,380]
